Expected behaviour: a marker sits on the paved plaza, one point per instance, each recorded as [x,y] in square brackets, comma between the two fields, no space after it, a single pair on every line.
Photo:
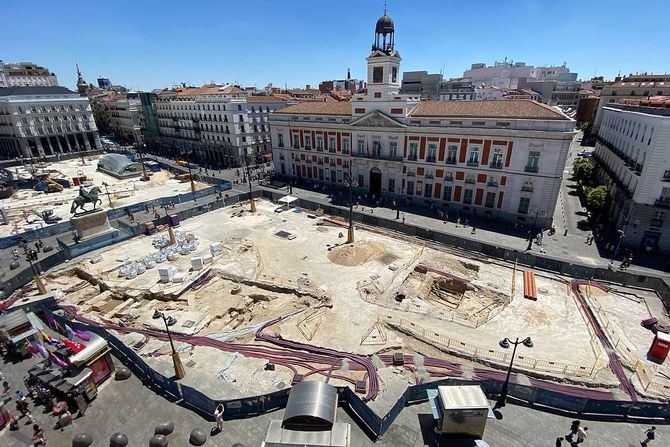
[129,407]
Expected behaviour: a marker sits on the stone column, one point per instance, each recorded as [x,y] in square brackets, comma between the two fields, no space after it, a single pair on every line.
[86,143]
[40,149]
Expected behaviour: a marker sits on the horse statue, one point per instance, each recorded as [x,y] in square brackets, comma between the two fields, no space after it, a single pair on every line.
[84,197]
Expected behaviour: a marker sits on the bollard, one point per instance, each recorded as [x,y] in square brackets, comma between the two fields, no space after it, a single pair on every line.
[82,440]
[118,440]
[197,437]
[158,441]
[164,428]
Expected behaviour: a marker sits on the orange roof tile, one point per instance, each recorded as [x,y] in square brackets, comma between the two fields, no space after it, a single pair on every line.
[513,108]
[318,108]
[265,98]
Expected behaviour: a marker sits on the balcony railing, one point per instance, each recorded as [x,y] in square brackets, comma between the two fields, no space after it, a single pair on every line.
[526,188]
[492,183]
[331,150]
[431,159]
[450,161]
[663,202]
[296,146]
[496,164]
[345,151]
[332,163]
[411,174]
[319,148]
[429,175]
[531,168]
[308,147]
[473,162]
[470,180]
[379,157]
[412,157]
[449,179]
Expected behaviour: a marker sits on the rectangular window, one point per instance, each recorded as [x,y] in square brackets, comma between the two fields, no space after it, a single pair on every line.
[428,190]
[410,188]
[331,144]
[432,153]
[413,148]
[447,193]
[393,149]
[361,181]
[361,146]
[467,196]
[377,74]
[524,204]
[391,185]
[308,142]
[280,139]
[319,143]
[474,156]
[490,199]
[533,164]
[452,154]
[345,145]
[497,160]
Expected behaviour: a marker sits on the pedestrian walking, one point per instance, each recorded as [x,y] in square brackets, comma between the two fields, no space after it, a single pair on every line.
[649,435]
[559,441]
[574,426]
[581,436]
[403,219]
[474,230]
[218,416]
[38,436]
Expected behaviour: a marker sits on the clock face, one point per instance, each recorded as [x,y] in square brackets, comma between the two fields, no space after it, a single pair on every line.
[378,74]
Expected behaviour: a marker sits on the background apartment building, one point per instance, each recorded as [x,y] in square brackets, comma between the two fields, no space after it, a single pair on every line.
[215,124]
[633,152]
[502,159]
[25,74]
[117,114]
[632,86]
[45,120]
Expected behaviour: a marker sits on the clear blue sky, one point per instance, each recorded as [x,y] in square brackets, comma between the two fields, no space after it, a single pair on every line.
[147,44]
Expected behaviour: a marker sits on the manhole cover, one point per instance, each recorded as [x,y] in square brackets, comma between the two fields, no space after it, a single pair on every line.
[188,323]
[283,234]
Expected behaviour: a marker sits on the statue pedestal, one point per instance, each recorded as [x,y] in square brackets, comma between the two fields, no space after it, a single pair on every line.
[92,224]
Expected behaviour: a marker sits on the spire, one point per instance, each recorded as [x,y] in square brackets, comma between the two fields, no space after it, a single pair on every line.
[82,87]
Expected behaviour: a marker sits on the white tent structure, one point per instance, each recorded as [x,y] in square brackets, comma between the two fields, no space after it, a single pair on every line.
[287,200]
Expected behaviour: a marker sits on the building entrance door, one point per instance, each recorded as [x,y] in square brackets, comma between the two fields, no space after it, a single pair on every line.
[376,182]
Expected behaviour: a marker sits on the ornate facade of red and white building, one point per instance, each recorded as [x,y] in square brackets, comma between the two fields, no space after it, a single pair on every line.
[503,159]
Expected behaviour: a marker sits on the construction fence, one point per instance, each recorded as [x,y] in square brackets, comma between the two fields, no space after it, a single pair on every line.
[583,407]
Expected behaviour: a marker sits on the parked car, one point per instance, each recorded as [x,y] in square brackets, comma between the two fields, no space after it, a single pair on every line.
[585,154]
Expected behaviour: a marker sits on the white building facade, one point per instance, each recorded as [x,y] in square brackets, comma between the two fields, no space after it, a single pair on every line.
[25,74]
[499,159]
[633,151]
[221,125]
[42,121]
[118,115]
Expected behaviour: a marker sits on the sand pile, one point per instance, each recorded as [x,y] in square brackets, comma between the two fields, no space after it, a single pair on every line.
[357,253]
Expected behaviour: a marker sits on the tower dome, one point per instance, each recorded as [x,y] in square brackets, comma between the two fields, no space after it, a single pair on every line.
[384,25]
[384,31]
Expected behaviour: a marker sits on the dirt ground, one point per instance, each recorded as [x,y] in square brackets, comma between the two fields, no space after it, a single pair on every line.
[269,255]
[122,192]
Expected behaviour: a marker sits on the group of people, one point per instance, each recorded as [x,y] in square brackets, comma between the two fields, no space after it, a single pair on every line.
[578,434]
[23,411]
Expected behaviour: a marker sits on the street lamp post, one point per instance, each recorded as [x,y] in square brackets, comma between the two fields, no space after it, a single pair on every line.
[537,213]
[190,173]
[145,175]
[618,245]
[350,232]
[36,273]
[251,197]
[176,360]
[505,343]
[109,198]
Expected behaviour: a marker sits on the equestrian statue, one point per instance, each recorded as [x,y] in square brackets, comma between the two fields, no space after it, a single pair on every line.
[84,197]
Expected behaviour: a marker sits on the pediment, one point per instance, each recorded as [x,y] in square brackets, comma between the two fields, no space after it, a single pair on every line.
[377,119]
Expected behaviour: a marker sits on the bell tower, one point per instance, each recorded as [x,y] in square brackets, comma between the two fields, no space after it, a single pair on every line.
[384,61]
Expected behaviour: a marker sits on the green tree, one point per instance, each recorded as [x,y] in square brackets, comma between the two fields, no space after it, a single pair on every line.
[597,199]
[582,170]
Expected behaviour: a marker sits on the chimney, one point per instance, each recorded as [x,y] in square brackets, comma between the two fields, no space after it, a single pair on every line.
[617,79]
